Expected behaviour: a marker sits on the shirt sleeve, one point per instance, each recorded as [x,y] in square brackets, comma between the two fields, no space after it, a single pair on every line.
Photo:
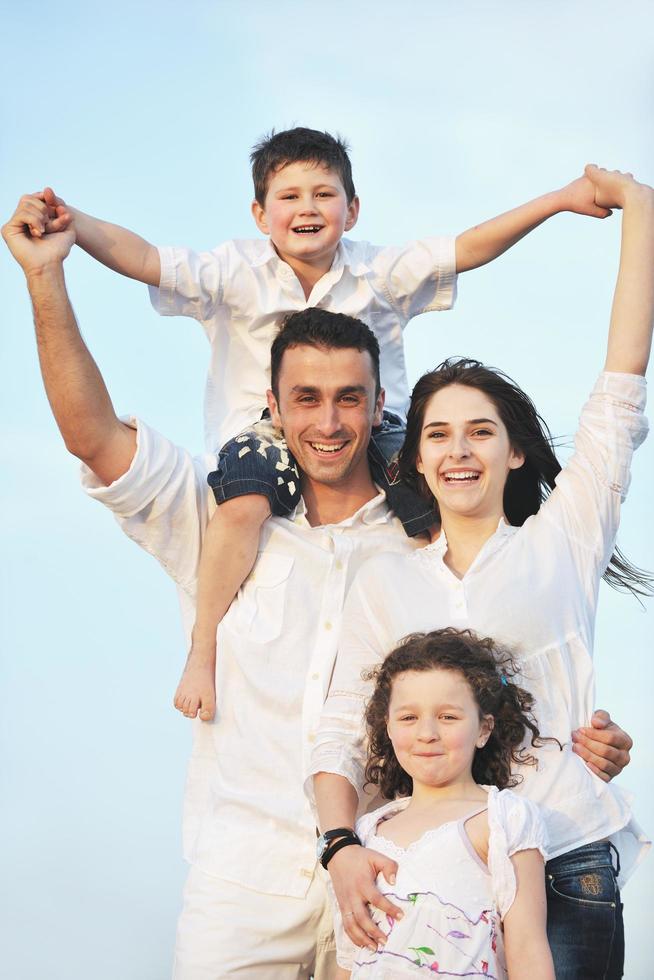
[585,505]
[191,283]
[160,503]
[340,745]
[419,277]
[515,824]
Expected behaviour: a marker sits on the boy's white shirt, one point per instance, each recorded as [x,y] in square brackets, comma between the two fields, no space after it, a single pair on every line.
[241,291]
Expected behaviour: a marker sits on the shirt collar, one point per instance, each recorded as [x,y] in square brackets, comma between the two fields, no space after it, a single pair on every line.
[497,539]
[374,511]
[344,257]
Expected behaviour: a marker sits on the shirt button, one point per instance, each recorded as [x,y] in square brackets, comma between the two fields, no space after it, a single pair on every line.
[315,677]
[339,566]
[311,738]
[328,626]
[307,872]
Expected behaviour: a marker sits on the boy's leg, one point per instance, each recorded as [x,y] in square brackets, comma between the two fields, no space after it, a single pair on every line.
[417,514]
[256,476]
[229,551]
[225,930]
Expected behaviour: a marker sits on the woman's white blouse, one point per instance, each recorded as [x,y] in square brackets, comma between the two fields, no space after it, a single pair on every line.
[534,590]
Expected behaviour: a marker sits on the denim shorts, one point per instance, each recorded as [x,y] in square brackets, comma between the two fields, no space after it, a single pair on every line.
[258,461]
[584,913]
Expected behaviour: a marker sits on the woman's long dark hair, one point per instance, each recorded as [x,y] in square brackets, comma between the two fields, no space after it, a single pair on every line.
[526,487]
[487,669]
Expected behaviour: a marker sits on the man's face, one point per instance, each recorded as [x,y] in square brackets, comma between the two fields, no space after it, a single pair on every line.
[326,407]
[306,213]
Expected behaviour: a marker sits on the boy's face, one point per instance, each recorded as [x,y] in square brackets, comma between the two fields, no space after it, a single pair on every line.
[306,213]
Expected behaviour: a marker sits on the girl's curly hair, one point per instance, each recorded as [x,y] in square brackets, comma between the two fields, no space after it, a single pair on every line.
[487,670]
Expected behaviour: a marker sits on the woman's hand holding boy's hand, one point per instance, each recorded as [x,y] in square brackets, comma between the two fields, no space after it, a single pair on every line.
[354,871]
[580,197]
[612,188]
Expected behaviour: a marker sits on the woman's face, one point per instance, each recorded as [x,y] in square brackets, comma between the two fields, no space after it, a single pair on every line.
[465,454]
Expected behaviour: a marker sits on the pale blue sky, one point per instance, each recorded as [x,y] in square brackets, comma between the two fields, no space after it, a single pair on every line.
[144,113]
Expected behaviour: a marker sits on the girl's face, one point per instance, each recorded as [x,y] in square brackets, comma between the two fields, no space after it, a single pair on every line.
[465,454]
[435,727]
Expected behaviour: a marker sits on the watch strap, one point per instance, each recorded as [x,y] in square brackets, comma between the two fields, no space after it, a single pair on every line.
[338,845]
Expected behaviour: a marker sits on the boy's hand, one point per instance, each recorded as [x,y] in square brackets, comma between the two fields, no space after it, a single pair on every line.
[611,188]
[27,236]
[580,198]
[57,211]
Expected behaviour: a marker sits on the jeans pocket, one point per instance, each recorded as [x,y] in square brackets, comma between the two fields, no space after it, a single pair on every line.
[591,887]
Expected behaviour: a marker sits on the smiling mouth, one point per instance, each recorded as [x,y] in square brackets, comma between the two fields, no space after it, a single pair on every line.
[326,449]
[307,229]
[461,476]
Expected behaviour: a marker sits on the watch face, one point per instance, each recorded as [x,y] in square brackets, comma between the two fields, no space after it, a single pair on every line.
[321,846]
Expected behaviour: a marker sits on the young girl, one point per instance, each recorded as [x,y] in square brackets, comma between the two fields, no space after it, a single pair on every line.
[444,725]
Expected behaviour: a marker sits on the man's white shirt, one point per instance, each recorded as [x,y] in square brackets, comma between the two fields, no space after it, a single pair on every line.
[246,817]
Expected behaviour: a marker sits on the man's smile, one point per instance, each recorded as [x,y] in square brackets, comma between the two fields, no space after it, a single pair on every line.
[328,448]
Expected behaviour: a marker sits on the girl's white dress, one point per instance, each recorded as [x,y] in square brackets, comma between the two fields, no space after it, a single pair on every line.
[453,903]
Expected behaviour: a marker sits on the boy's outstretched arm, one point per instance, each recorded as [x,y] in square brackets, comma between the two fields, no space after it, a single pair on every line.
[116,247]
[487,241]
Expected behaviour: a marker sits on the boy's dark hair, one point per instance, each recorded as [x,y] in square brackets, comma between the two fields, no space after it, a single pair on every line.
[314,327]
[276,150]
[487,670]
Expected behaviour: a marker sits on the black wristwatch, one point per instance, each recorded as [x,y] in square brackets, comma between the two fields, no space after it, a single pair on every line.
[329,843]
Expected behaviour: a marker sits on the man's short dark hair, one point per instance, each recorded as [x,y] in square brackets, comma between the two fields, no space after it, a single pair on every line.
[314,327]
[276,150]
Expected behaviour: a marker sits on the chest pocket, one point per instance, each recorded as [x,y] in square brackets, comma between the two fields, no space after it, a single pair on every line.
[257,613]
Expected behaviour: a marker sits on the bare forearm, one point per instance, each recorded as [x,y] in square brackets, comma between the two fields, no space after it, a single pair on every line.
[117,248]
[528,958]
[630,332]
[336,800]
[75,388]
[485,242]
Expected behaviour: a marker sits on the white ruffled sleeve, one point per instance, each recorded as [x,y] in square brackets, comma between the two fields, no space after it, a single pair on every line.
[515,824]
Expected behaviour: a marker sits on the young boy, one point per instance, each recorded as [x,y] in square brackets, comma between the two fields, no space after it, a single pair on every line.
[305,201]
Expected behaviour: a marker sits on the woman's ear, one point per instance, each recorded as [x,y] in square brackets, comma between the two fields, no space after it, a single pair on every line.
[516,459]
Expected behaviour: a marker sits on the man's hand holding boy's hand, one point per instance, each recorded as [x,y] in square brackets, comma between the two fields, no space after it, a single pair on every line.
[579,197]
[37,234]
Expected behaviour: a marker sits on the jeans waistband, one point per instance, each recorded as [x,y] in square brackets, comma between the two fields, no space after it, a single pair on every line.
[600,854]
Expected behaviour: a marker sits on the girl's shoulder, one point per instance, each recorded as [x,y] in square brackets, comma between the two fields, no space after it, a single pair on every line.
[515,824]
[515,821]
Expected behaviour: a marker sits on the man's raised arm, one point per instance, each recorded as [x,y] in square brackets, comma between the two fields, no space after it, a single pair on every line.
[75,388]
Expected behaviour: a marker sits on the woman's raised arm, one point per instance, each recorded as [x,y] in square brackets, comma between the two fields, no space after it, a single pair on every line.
[632,314]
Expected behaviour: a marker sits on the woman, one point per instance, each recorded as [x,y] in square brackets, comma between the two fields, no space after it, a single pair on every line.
[530,582]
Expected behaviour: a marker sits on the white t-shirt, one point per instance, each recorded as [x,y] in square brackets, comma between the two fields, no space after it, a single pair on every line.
[241,291]
[534,590]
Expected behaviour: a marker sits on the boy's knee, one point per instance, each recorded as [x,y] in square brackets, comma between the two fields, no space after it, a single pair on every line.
[246,510]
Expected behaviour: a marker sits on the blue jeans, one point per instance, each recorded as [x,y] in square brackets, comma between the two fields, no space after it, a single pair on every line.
[584,914]
[258,461]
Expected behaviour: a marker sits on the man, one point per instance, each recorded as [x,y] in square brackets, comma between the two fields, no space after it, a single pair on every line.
[254,903]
